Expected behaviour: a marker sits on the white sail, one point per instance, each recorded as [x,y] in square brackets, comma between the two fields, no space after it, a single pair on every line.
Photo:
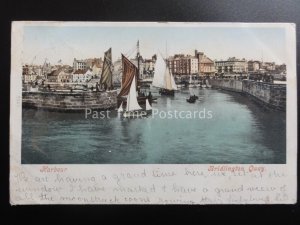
[207,83]
[160,67]
[163,78]
[121,107]
[148,106]
[168,83]
[132,103]
[174,86]
[169,80]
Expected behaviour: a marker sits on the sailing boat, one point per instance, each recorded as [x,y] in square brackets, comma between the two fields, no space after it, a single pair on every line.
[130,72]
[166,83]
[207,84]
[133,109]
[192,98]
[204,84]
[197,84]
[120,109]
[148,106]
[191,83]
[106,81]
[129,89]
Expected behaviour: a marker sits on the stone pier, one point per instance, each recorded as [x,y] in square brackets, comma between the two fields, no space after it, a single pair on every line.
[270,95]
[62,101]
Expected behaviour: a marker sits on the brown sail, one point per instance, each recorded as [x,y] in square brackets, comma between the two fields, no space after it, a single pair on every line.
[130,72]
[106,76]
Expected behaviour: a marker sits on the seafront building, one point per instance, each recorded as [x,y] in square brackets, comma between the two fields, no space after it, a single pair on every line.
[79,64]
[206,66]
[149,67]
[231,67]
[181,64]
[83,64]
[254,66]
[82,76]
[31,73]
[199,64]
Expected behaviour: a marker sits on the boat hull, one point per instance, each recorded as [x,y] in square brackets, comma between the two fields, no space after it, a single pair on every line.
[167,92]
[141,100]
[191,100]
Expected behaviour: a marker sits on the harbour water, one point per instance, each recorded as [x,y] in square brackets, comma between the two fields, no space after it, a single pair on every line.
[225,127]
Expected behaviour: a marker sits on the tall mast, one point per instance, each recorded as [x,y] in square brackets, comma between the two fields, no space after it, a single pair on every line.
[166,49]
[106,75]
[166,59]
[138,69]
[44,72]
[138,57]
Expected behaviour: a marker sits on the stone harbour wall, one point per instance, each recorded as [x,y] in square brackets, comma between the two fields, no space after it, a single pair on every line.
[227,84]
[274,95]
[61,101]
[270,95]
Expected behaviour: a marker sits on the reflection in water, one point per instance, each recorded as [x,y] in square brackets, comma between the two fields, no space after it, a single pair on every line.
[240,131]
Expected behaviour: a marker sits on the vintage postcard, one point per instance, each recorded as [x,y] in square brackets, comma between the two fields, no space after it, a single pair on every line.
[153,113]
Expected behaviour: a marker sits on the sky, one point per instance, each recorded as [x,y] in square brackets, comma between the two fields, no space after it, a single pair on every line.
[68,42]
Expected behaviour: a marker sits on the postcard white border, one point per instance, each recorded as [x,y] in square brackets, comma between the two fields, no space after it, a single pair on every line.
[290,168]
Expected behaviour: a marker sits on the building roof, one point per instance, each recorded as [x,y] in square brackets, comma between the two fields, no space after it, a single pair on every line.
[181,56]
[55,72]
[98,64]
[205,59]
[232,59]
[80,71]
[79,60]
[254,61]
[91,61]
